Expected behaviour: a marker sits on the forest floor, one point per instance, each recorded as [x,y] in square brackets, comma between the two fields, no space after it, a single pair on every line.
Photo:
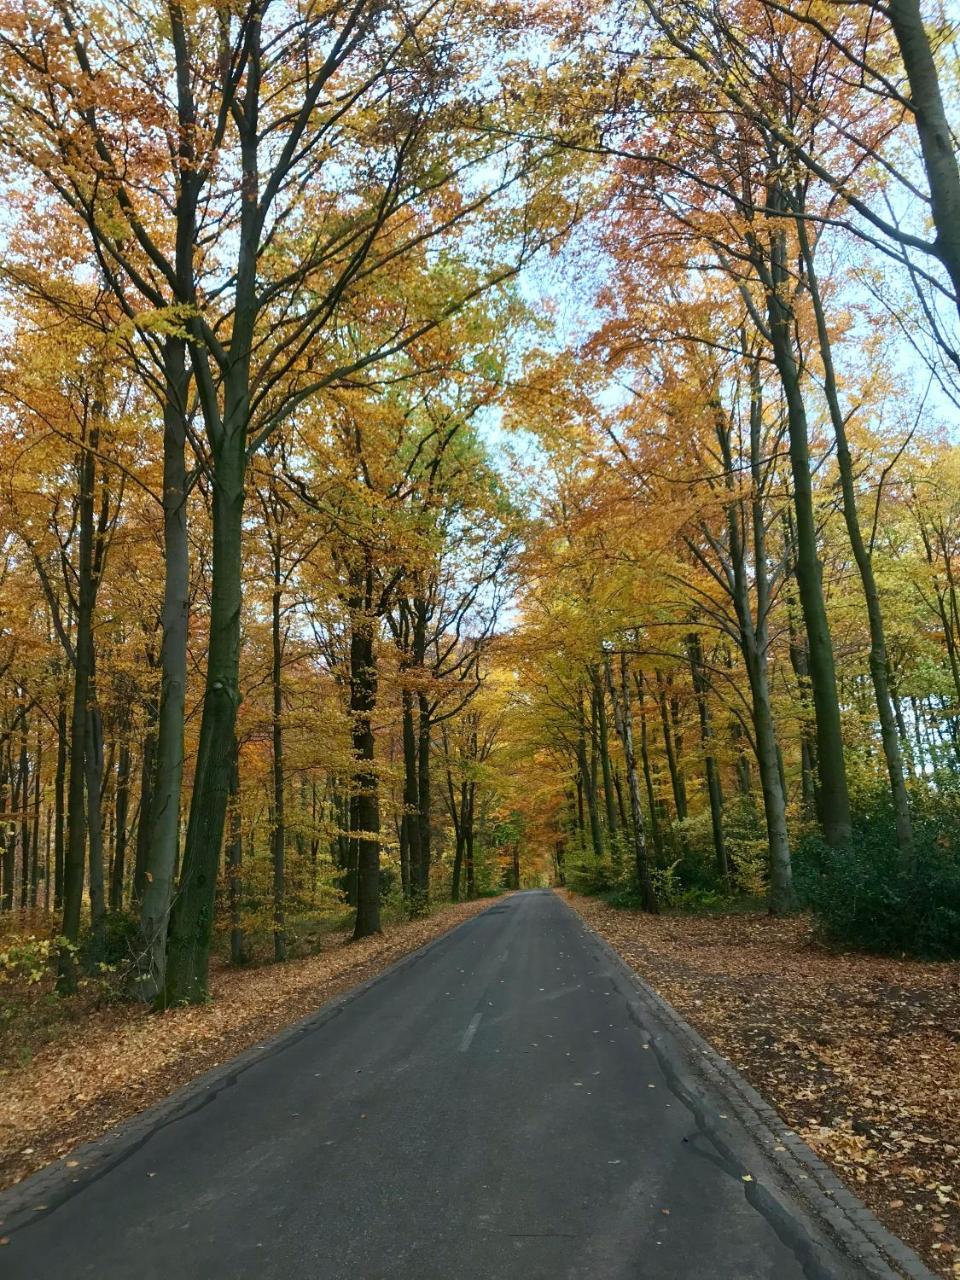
[859,1054]
[92,1064]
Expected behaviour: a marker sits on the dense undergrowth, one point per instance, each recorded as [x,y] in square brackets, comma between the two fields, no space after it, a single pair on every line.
[864,895]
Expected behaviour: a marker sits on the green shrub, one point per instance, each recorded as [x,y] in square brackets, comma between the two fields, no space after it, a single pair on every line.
[866,896]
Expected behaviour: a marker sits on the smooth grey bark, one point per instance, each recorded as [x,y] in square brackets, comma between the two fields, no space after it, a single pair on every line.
[160,810]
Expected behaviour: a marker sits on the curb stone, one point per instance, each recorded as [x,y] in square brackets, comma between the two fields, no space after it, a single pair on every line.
[859,1231]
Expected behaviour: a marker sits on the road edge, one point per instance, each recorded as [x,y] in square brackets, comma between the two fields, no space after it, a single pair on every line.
[858,1230]
[44,1191]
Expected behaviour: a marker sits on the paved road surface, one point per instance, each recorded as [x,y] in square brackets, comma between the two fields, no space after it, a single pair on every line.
[493,1109]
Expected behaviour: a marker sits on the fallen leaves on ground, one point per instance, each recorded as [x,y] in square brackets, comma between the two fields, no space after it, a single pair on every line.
[115,1061]
[859,1054]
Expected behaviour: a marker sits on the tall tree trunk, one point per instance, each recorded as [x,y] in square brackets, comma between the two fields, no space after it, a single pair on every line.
[623,716]
[191,918]
[35,834]
[73,871]
[278,833]
[425,815]
[596,833]
[609,797]
[647,774]
[468,835]
[878,660]
[456,817]
[94,776]
[411,797]
[6,844]
[679,794]
[59,799]
[158,838]
[118,870]
[753,638]
[364,804]
[700,685]
[22,807]
[833,792]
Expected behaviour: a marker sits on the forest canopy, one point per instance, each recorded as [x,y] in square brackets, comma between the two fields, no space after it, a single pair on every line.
[458,445]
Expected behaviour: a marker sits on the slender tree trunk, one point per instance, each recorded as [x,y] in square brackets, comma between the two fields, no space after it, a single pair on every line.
[596,833]
[753,637]
[695,653]
[94,775]
[647,774]
[73,872]
[609,796]
[623,715]
[833,793]
[118,870]
[147,762]
[59,799]
[35,834]
[456,817]
[679,796]
[423,790]
[621,807]
[365,807]
[23,809]
[6,846]
[278,833]
[411,797]
[468,835]
[878,660]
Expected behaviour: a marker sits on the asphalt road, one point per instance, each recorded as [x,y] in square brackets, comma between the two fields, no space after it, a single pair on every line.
[493,1108]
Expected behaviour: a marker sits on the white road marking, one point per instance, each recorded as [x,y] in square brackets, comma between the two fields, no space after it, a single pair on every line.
[470,1032]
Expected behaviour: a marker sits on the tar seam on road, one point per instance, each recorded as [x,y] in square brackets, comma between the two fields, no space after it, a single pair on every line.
[470,1032]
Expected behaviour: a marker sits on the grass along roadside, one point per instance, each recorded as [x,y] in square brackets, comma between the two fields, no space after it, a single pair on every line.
[109,1063]
[859,1054]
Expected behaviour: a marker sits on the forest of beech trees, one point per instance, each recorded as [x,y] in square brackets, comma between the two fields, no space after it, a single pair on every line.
[463,445]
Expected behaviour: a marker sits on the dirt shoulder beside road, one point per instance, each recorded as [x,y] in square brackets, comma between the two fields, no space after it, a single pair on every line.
[109,1063]
[859,1054]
